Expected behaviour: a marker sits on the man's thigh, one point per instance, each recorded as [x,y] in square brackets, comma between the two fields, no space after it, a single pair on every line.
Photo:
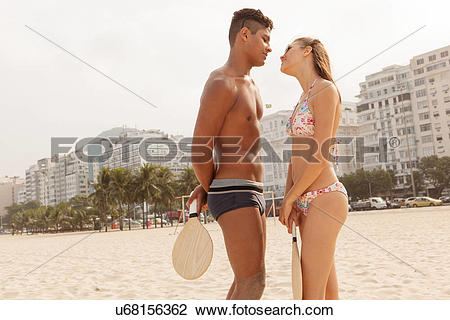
[244,235]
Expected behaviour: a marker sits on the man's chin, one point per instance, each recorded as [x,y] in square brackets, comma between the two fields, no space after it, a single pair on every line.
[260,64]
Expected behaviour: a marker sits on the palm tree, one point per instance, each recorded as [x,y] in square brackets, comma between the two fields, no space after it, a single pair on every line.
[186,182]
[146,187]
[44,217]
[60,215]
[117,189]
[131,194]
[101,196]
[165,195]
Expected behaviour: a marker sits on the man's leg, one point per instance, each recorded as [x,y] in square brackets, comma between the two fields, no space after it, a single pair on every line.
[244,235]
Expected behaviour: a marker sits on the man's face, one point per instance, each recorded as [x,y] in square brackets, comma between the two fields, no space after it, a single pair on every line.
[258,46]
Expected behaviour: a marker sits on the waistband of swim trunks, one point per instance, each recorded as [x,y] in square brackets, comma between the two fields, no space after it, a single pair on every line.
[231,182]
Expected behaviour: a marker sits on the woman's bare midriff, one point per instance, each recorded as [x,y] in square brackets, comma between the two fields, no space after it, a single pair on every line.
[326,177]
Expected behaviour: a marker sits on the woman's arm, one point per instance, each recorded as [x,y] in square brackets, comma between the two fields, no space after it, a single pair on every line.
[325,104]
[289,182]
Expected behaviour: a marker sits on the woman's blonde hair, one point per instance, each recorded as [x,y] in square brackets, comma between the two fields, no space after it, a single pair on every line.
[320,58]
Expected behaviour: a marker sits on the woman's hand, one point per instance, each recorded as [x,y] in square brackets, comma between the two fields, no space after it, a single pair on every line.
[285,212]
[200,194]
[294,216]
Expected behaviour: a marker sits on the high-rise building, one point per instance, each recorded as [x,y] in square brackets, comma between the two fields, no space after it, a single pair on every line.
[348,127]
[9,191]
[431,101]
[385,111]
[410,105]
[133,148]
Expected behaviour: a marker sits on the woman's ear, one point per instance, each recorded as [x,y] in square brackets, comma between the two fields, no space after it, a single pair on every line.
[308,50]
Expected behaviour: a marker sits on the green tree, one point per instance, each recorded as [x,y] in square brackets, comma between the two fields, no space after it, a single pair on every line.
[101,197]
[165,195]
[117,189]
[146,188]
[436,171]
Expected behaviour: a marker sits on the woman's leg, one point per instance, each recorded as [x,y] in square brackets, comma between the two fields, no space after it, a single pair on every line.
[319,230]
[331,291]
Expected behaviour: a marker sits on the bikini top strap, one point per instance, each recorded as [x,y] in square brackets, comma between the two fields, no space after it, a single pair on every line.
[309,90]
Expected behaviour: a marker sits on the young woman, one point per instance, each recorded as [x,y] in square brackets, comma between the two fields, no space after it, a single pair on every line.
[314,197]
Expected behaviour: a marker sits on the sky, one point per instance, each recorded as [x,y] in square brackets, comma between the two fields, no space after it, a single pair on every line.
[164,51]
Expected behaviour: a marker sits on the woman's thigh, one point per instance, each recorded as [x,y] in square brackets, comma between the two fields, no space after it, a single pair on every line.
[319,231]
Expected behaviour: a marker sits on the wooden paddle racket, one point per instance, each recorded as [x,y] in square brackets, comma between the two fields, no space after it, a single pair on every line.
[296,267]
[193,250]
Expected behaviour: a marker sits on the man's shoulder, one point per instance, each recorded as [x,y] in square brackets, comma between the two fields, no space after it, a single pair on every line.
[220,82]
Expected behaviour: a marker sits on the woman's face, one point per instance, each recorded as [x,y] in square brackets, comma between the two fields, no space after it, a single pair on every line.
[293,59]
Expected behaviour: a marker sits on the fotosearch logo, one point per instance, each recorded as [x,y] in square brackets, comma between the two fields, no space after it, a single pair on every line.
[229,149]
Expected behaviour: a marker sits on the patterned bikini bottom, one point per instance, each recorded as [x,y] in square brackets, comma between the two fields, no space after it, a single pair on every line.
[305,199]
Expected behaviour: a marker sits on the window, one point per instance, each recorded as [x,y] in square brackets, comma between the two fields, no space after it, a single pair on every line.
[444,54]
[428,151]
[385,91]
[418,71]
[422,104]
[419,82]
[447,112]
[419,61]
[427,139]
[421,93]
[386,102]
[446,99]
[424,116]
[436,114]
[425,127]
[436,66]
[394,100]
[432,58]
[434,102]
[379,104]
[439,138]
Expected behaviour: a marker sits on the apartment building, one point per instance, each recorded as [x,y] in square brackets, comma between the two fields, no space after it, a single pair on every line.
[385,111]
[431,101]
[133,148]
[9,191]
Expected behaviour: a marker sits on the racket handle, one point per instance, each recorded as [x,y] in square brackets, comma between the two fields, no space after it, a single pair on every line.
[193,209]
[294,232]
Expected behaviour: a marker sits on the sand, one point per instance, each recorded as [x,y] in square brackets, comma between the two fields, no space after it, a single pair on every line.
[137,264]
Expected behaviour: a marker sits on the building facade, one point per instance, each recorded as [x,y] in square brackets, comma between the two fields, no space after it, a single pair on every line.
[431,101]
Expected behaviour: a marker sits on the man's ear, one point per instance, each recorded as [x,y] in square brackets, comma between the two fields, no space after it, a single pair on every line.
[244,33]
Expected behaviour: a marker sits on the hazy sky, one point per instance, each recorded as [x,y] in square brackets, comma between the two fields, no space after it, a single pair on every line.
[164,51]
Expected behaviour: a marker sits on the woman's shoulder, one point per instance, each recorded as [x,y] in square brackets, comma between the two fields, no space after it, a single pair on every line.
[324,90]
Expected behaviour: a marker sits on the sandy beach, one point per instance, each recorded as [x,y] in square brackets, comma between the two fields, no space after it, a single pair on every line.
[137,264]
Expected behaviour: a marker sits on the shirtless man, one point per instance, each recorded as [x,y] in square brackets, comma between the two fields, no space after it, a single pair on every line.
[230,110]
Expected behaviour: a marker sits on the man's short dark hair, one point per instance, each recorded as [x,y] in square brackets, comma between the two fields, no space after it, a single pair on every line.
[250,18]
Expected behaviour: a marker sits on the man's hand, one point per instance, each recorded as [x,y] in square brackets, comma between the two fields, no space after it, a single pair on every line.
[200,194]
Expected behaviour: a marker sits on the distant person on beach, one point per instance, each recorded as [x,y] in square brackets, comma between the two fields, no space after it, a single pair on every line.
[229,114]
[312,185]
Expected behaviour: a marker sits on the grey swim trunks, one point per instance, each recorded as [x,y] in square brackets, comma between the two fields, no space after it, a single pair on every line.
[230,194]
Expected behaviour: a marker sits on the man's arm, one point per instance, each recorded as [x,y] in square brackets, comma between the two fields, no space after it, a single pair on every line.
[219,96]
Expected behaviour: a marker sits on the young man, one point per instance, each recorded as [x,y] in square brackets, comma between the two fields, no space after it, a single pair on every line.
[229,114]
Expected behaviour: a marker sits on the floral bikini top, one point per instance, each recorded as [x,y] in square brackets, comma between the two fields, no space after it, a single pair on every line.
[301,122]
